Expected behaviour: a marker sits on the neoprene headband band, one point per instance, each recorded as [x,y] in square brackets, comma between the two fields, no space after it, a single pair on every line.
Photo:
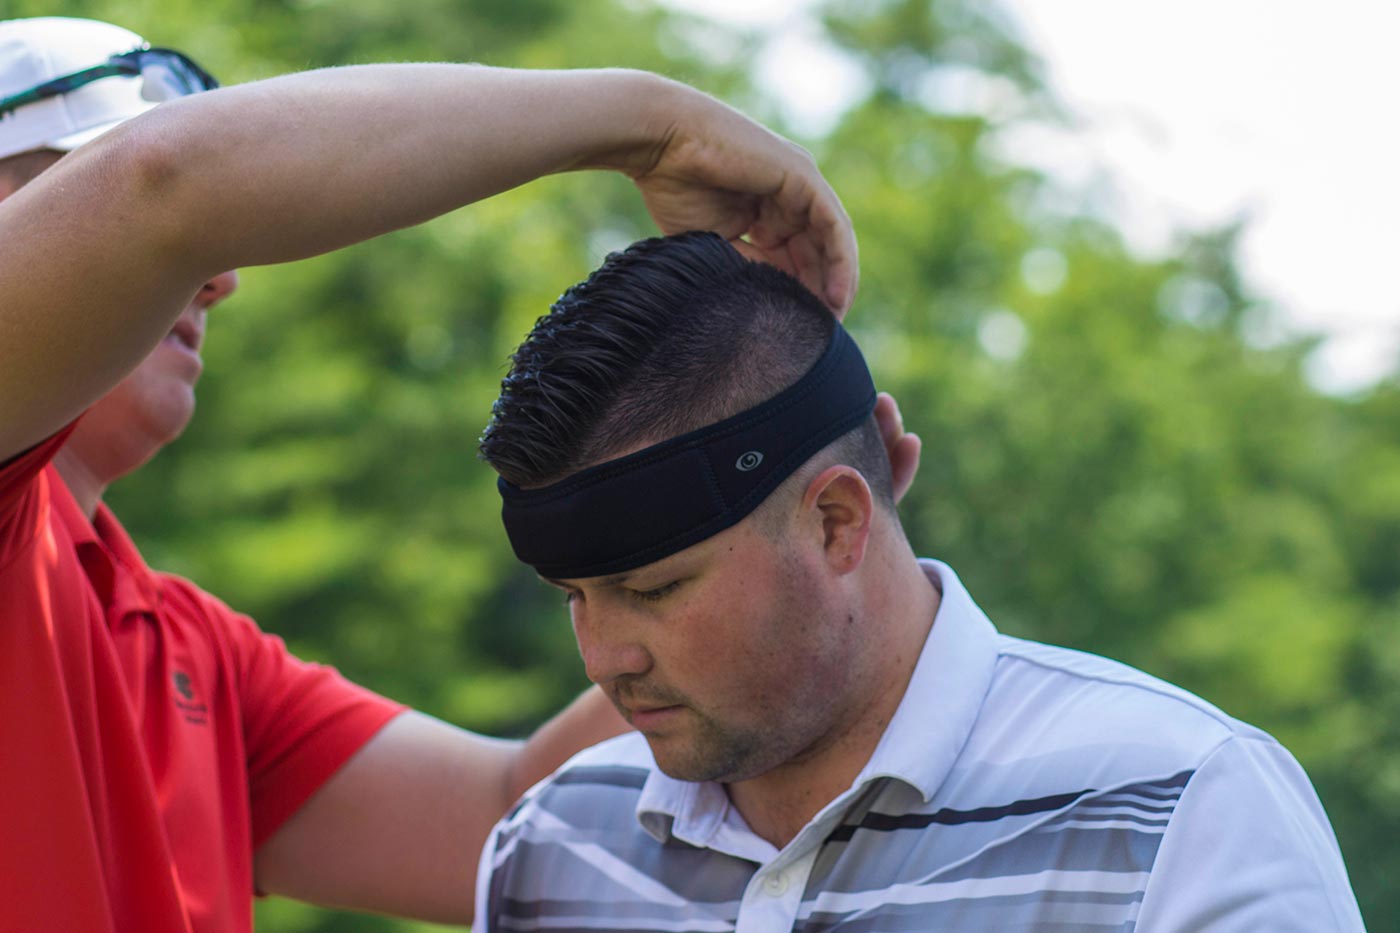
[637,509]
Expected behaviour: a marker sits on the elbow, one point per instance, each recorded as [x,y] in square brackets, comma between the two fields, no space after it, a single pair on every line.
[155,157]
[149,165]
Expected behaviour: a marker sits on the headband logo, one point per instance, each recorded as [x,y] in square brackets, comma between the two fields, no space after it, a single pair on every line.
[748,461]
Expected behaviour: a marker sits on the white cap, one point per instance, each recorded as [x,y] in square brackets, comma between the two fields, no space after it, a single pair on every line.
[33,51]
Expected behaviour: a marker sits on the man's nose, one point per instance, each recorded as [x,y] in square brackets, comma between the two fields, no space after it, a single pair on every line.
[608,652]
[217,289]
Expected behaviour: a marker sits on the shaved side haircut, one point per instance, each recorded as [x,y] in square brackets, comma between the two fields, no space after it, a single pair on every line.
[668,336]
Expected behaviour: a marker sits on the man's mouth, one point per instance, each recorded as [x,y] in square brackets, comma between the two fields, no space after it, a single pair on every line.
[634,710]
[643,705]
[186,334]
[644,717]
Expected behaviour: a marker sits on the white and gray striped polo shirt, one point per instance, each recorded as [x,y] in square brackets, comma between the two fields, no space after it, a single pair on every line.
[1018,787]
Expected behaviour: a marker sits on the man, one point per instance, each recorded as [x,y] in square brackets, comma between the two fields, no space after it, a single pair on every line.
[163,758]
[830,734]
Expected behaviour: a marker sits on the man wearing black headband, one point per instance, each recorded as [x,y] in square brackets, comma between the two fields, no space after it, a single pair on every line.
[162,758]
[830,734]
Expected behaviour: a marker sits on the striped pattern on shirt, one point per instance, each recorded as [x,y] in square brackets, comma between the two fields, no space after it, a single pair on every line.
[574,861]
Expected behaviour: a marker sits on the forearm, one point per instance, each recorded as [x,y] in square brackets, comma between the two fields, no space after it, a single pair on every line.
[398,829]
[341,155]
[100,254]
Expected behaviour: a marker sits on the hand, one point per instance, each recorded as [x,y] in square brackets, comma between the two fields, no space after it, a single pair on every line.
[718,170]
[902,448]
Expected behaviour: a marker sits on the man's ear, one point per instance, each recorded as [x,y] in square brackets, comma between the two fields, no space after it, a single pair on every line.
[842,497]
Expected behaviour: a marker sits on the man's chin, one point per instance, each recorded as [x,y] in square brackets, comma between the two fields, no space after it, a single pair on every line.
[168,420]
[683,759]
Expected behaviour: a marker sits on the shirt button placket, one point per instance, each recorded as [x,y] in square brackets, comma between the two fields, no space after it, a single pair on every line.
[771,902]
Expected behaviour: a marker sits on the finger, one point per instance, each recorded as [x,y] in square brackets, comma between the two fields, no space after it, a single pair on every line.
[903,449]
[904,464]
[786,210]
[805,210]
[799,258]
[798,254]
[842,279]
[777,258]
[809,208]
[837,237]
[806,258]
[889,419]
[802,258]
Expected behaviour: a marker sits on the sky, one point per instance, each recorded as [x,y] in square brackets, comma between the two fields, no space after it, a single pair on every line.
[1194,113]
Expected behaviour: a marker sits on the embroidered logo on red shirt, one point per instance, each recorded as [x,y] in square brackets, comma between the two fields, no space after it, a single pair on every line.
[195,713]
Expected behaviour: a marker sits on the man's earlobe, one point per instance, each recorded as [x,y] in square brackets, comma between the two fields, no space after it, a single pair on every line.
[843,498]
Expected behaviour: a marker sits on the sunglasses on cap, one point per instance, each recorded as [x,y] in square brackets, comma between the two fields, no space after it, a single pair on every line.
[165,73]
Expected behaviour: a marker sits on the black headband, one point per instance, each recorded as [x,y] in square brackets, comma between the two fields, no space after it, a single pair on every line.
[628,512]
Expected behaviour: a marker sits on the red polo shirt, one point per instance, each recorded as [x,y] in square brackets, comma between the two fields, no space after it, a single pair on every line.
[150,738]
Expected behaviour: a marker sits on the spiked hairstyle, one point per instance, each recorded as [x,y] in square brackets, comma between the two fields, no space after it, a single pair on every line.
[667,336]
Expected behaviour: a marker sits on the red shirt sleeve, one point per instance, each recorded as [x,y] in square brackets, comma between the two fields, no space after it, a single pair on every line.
[301,721]
[22,503]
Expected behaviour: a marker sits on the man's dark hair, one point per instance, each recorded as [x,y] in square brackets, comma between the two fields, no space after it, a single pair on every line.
[667,336]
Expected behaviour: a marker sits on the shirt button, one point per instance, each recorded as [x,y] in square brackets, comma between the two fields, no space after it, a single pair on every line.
[776,885]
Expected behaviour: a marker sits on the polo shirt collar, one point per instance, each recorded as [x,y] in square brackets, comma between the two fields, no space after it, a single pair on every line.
[108,554]
[945,693]
[920,745]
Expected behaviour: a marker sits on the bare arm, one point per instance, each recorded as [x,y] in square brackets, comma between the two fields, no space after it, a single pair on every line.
[101,253]
[398,829]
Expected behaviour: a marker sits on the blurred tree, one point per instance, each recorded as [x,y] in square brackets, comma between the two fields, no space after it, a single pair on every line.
[1113,458]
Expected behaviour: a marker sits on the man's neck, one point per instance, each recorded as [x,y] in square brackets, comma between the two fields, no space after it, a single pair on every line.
[779,803]
[82,481]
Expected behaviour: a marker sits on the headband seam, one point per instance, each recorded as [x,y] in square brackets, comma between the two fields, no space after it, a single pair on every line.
[712,481]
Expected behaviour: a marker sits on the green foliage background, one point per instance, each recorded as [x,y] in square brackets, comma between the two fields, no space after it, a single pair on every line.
[1127,469]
